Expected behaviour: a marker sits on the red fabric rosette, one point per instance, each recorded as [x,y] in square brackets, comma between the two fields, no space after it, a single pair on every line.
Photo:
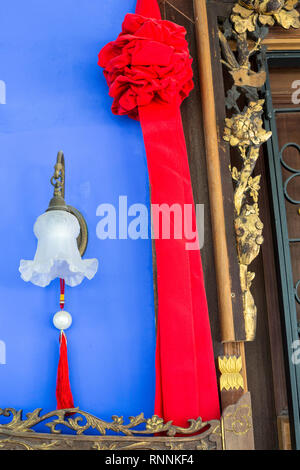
[148,71]
[149,61]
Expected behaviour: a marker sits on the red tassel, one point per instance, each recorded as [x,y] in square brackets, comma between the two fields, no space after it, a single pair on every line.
[64,396]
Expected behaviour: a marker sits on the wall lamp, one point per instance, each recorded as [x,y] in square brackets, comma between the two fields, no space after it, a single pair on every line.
[62,240]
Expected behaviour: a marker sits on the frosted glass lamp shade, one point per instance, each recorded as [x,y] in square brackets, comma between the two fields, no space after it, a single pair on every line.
[57,253]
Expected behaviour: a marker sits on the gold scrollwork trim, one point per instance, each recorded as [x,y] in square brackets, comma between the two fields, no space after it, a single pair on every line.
[83,421]
[139,433]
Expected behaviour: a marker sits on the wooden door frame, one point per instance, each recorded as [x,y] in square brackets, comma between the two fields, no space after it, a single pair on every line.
[278,39]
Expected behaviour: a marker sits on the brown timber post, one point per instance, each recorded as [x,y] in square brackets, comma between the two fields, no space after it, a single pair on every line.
[231,347]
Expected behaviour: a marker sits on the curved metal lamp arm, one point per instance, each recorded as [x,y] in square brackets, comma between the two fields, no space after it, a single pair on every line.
[58,201]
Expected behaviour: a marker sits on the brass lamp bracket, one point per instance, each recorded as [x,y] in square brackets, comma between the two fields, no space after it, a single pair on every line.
[82,238]
[58,201]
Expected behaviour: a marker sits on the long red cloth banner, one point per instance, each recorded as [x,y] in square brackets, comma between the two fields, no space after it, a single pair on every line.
[148,70]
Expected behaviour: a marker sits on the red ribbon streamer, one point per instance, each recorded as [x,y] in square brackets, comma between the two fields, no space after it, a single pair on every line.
[148,8]
[148,70]
[185,369]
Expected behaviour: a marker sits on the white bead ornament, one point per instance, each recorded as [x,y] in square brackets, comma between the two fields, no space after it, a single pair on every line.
[62,320]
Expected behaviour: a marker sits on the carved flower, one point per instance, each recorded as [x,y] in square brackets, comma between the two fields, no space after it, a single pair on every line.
[246,128]
[118,419]
[154,423]
[267,12]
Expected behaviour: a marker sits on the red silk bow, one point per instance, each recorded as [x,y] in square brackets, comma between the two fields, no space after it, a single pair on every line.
[148,71]
[149,61]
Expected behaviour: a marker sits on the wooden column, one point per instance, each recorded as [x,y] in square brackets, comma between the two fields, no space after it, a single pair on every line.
[214,173]
[232,348]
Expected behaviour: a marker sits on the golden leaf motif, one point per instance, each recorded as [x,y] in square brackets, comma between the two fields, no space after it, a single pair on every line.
[241,25]
[254,187]
[288,19]
[290,4]
[235,174]
[266,20]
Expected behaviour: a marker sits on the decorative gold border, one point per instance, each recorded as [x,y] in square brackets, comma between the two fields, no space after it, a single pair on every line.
[84,421]
[19,432]
[87,432]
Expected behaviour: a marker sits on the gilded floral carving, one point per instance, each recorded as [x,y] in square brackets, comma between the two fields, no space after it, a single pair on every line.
[246,129]
[240,40]
[247,13]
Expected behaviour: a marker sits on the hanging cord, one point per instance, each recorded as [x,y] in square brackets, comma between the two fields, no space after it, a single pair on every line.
[62,294]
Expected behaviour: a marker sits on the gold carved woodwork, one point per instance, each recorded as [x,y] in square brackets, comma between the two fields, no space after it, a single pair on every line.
[241,38]
[246,14]
[87,432]
[231,377]
[85,421]
[237,425]
[19,432]
[233,430]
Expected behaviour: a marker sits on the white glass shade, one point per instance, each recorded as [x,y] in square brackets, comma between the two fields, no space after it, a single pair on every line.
[57,254]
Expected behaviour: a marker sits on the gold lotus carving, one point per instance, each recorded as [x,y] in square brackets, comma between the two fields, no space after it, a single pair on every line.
[230,368]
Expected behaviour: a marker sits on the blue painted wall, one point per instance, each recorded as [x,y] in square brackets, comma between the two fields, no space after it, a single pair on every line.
[57,98]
